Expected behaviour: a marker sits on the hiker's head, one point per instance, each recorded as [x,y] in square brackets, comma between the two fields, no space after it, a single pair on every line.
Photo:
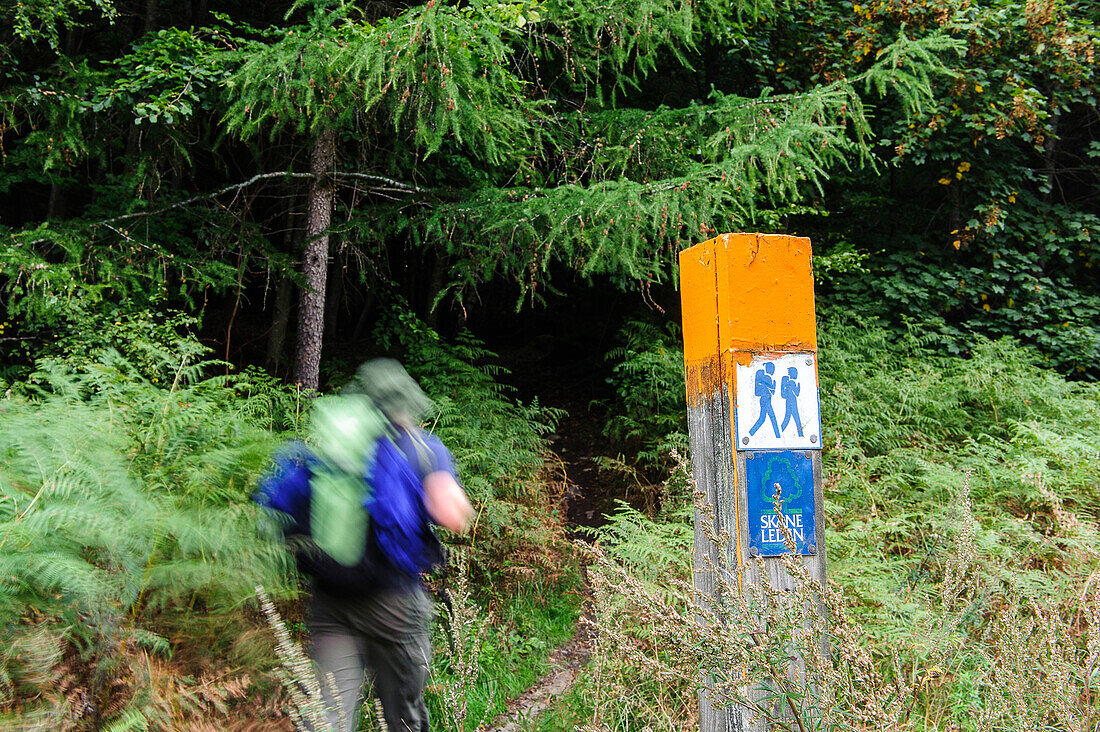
[343,428]
[393,391]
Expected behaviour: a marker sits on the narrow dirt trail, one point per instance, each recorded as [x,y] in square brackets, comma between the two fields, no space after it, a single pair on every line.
[584,505]
[566,662]
[577,442]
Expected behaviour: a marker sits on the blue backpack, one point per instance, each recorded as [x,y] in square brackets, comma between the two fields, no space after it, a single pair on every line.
[396,531]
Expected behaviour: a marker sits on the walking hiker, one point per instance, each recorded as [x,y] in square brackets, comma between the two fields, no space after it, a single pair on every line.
[764,387]
[369,612]
[789,390]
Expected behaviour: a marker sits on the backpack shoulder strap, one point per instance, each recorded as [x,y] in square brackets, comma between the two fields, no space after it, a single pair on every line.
[423,457]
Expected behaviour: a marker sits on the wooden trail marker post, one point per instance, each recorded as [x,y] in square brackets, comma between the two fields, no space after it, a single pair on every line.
[750,358]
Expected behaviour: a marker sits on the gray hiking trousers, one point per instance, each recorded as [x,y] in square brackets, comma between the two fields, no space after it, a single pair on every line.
[383,637]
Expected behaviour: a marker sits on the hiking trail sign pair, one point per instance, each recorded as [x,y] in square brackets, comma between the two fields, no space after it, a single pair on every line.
[754,417]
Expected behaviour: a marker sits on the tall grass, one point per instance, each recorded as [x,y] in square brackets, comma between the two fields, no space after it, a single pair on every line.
[961,504]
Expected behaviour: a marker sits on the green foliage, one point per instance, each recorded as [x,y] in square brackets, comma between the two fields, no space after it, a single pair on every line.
[988,660]
[653,549]
[134,121]
[124,498]
[435,72]
[615,44]
[60,283]
[624,188]
[1034,293]
[904,421]
[497,441]
[124,483]
[43,20]
[529,145]
[648,375]
[961,511]
[902,426]
[991,192]
[167,77]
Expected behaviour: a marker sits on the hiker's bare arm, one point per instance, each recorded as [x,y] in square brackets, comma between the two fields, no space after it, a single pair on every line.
[446,501]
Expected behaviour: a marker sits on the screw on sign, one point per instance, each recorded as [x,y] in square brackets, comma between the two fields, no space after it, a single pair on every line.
[754,416]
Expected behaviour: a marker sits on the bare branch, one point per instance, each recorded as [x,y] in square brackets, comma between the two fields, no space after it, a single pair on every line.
[384,185]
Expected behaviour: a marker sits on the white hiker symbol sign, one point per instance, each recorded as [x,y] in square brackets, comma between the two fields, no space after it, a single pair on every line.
[761,391]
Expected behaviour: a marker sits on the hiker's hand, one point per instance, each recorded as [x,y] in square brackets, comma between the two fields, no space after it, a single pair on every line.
[446,502]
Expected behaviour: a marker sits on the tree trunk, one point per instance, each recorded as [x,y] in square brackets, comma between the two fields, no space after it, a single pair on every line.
[276,337]
[55,208]
[150,15]
[311,308]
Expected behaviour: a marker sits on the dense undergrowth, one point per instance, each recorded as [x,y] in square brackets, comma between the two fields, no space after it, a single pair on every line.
[127,536]
[962,498]
[130,550]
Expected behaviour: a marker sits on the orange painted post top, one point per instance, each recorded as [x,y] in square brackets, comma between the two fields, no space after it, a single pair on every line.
[766,293]
[699,301]
[745,294]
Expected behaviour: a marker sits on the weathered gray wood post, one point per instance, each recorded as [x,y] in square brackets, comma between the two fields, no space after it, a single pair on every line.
[750,357]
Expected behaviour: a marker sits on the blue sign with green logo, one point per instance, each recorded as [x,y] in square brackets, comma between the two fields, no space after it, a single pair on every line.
[793,472]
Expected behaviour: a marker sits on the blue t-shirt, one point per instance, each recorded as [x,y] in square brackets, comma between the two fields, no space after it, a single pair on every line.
[426,454]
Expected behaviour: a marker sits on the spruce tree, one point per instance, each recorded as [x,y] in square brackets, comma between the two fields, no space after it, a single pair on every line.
[497,142]
[536,98]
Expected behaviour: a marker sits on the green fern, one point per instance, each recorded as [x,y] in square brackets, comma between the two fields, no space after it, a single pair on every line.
[649,415]
[124,498]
